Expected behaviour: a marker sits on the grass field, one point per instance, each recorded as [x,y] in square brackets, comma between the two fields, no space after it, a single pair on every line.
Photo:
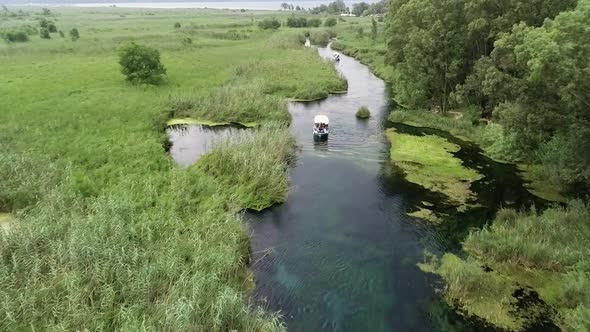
[106,233]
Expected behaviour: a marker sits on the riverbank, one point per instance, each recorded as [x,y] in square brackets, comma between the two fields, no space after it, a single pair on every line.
[533,264]
[104,214]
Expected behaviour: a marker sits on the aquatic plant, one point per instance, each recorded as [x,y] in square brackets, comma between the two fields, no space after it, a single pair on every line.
[363,112]
[252,165]
[233,103]
[546,252]
[429,161]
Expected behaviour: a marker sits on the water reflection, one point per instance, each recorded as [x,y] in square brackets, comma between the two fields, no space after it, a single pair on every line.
[190,142]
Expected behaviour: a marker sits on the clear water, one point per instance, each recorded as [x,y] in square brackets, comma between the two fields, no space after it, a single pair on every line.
[190,142]
[341,254]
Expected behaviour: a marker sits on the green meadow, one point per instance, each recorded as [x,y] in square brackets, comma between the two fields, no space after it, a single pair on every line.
[106,233]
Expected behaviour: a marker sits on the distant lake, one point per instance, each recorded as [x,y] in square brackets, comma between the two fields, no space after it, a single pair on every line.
[260,5]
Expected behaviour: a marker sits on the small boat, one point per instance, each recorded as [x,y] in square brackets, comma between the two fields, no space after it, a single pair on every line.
[320,126]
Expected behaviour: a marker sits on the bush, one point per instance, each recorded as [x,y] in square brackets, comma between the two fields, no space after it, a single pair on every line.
[43,23]
[285,40]
[314,22]
[320,37]
[141,64]
[269,23]
[51,27]
[74,34]
[177,25]
[187,41]
[16,37]
[330,22]
[296,22]
[363,112]
[44,33]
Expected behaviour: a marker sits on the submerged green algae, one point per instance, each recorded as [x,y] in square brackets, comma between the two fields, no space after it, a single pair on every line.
[429,162]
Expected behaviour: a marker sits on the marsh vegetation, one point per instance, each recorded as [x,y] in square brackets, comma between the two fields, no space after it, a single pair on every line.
[103,219]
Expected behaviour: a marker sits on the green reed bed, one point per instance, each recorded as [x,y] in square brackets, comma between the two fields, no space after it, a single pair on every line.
[233,103]
[252,165]
[545,252]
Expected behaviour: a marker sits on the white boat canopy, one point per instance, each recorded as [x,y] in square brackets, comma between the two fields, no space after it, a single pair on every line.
[321,119]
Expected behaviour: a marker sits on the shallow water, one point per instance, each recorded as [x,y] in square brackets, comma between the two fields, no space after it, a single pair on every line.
[341,254]
[190,142]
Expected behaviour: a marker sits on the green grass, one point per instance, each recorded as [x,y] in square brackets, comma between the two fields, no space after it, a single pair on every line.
[429,162]
[108,233]
[547,252]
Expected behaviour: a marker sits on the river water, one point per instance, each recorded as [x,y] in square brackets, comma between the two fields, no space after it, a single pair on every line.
[341,254]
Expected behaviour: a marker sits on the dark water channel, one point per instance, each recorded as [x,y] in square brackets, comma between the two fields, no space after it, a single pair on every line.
[341,254]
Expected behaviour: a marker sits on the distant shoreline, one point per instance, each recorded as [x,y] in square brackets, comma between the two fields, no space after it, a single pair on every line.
[223,4]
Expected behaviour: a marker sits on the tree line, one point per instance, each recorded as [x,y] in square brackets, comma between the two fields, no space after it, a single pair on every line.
[521,63]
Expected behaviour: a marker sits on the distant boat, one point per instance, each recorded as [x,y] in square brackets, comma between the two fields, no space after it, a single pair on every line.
[321,126]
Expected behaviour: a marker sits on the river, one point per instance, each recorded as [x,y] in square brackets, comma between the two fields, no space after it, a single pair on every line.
[341,254]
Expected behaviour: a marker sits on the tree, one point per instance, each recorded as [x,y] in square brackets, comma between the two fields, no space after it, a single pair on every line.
[359,8]
[141,64]
[330,22]
[74,34]
[269,23]
[426,50]
[44,33]
[177,25]
[45,11]
[298,8]
[285,6]
[337,7]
